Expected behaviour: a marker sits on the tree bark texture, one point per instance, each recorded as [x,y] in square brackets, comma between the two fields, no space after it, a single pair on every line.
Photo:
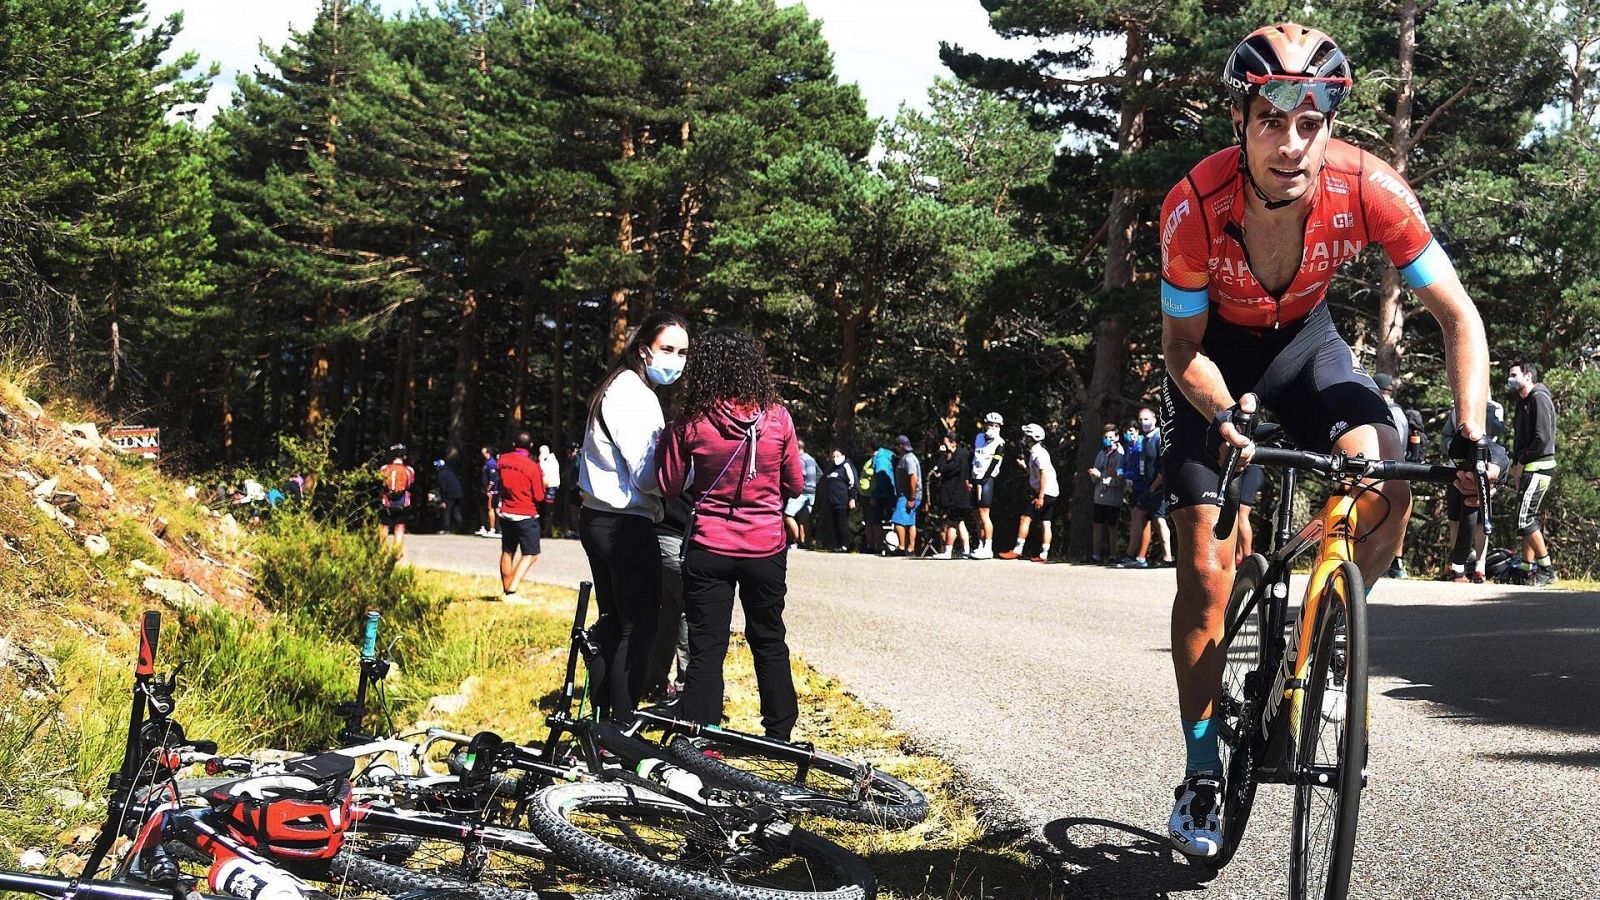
[469,346]
[1391,299]
[1111,350]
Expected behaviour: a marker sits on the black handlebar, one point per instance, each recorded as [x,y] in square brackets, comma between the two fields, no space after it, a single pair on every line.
[1227,485]
[1341,466]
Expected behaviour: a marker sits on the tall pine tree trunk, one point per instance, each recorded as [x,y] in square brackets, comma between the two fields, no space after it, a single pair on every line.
[1391,300]
[469,344]
[524,363]
[617,309]
[317,388]
[403,392]
[112,381]
[558,417]
[1111,348]
[846,386]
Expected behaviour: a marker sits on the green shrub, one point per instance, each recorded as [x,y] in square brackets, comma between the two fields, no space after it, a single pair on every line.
[248,684]
[325,578]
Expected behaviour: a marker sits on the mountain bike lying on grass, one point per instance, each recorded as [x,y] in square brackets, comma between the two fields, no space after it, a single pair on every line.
[1293,706]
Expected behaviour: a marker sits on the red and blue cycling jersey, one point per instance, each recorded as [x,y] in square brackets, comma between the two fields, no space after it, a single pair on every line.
[1357,200]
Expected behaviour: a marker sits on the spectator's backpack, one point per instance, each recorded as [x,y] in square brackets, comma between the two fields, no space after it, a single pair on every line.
[1416,449]
[396,482]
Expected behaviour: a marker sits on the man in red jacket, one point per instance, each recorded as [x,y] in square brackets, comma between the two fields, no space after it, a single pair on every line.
[521,489]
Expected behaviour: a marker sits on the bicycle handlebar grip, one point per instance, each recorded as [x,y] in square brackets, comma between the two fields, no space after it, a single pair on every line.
[1227,485]
[1480,470]
[584,587]
[369,636]
[149,637]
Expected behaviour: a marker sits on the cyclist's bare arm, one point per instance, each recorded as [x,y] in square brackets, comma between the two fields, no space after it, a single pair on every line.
[1466,350]
[1196,375]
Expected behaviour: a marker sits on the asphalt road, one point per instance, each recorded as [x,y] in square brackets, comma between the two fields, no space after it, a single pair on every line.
[1051,687]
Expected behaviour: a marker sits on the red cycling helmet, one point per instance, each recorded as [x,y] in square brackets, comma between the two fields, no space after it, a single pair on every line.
[288,817]
[1285,64]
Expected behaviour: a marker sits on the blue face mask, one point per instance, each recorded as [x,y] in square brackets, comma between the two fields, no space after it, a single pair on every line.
[1130,436]
[665,371]
[1108,441]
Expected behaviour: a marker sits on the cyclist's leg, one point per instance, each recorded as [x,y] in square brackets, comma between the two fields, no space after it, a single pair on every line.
[1336,407]
[1204,572]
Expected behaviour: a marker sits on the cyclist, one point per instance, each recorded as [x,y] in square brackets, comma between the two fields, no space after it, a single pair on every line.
[1250,240]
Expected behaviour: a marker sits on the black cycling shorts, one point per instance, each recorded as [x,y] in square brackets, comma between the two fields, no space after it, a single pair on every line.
[1250,484]
[983,493]
[1105,514]
[1306,378]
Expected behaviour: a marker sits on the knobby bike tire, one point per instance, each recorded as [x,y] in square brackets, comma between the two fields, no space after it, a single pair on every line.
[410,852]
[664,847]
[720,758]
[1319,867]
[1245,656]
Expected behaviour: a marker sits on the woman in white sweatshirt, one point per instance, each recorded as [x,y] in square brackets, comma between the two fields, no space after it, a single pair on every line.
[622,503]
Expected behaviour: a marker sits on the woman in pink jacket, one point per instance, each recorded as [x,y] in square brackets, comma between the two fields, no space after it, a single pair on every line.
[731,454]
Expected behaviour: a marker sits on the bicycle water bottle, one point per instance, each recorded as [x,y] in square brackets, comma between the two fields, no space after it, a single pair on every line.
[675,780]
[369,636]
[254,881]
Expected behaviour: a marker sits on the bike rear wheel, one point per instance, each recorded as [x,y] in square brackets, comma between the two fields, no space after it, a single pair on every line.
[1331,745]
[849,790]
[664,847]
[1239,704]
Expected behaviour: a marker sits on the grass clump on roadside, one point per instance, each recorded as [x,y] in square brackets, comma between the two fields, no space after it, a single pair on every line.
[510,662]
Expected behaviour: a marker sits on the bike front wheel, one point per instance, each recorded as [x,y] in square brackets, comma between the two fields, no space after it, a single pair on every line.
[1245,659]
[1331,744]
[664,847]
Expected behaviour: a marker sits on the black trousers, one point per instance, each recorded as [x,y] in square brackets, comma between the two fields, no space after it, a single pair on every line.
[625,561]
[709,580]
[841,524]
[450,517]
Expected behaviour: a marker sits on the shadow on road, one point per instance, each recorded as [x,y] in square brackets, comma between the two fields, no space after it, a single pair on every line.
[1102,858]
[1528,659]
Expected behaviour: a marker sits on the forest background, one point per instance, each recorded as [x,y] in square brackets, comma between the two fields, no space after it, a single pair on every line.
[436,228]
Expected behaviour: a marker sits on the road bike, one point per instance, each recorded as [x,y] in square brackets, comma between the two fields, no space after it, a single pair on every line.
[1293,707]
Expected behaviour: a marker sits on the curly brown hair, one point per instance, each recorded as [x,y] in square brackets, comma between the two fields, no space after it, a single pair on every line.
[727,365]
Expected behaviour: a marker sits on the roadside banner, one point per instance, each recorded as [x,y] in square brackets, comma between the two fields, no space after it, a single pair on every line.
[136,440]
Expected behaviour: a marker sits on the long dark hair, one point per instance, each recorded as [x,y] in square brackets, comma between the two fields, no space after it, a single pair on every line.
[639,340]
[728,365]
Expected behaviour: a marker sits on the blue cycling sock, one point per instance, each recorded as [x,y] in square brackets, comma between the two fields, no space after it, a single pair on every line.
[1200,741]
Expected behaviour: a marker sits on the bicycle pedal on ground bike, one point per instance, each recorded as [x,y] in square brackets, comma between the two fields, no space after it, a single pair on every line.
[1293,707]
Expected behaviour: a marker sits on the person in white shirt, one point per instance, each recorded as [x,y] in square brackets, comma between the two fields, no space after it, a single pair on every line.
[550,468]
[622,503]
[986,448]
[1046,491]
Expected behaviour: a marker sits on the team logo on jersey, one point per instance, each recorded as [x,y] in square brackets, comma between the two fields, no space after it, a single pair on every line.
[1222,206]
[1344,220]
[1337,185]
[1398,188]
[1173,218]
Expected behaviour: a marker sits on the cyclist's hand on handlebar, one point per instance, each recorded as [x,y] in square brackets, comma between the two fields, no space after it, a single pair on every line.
[1229,437]
[1466,445]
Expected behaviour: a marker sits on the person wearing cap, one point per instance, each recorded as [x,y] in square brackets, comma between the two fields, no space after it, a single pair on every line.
[908,479]
[955,493]
[986,456]
[450,497]
[1046,490]
[395,503]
